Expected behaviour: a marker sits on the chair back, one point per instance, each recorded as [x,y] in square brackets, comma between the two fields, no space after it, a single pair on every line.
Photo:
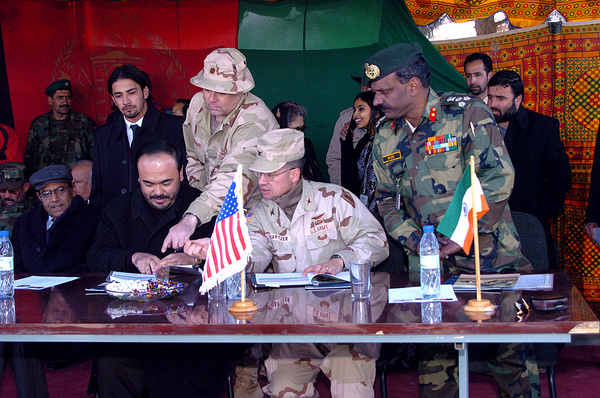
[533,239]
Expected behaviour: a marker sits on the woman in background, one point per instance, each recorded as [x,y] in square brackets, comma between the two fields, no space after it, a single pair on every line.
[357,163]
[291,115]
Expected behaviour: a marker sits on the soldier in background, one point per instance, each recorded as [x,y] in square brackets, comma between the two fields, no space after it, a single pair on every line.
[306,226]
[13,193]
[221,130]
[59,136]
[415,185]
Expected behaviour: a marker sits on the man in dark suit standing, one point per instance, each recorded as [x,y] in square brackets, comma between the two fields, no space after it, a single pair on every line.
[116,143]
[542,169]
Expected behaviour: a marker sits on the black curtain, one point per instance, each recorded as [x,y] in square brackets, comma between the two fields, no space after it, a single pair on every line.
[6,114]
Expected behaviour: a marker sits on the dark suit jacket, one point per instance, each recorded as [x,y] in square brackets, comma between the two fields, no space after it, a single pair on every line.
[542,169]
[65,246]
[593,207]
[113,171]
[129,226]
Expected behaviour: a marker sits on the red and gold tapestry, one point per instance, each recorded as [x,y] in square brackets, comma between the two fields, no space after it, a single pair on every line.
[561,74]
[520,13]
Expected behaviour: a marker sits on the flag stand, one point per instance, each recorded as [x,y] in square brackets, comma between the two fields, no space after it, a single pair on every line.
[243,309]
[477,309]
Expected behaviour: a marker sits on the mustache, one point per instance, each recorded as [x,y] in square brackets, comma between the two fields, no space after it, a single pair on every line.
[159,196]
[384,107]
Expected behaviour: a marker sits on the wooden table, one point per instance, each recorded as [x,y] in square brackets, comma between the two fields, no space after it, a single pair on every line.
[67,313]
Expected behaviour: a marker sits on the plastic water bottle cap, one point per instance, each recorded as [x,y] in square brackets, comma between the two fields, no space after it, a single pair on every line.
[3,234]
[428,228]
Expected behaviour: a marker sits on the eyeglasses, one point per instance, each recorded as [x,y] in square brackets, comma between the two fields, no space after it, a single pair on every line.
[269,176]
[60,191]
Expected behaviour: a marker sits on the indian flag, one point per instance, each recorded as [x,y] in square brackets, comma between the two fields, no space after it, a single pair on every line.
[457,223]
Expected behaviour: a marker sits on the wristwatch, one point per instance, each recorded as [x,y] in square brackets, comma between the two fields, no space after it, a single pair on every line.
[340,257]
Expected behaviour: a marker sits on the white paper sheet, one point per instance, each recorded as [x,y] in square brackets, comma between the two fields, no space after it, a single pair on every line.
[413,295]
[42,282]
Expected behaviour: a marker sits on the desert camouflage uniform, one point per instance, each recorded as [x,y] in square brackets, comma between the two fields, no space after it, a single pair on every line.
[328,220]
[427,184]
[9,215]
[213,157]
[58,142]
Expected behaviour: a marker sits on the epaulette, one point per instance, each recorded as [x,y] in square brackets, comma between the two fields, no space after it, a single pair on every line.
[459,100]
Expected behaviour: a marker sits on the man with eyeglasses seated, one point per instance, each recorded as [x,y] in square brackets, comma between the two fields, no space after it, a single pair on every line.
[55,236]
[13,194]
[306,226]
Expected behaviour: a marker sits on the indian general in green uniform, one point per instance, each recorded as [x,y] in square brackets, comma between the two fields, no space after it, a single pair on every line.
[416,182]
[13,192]
[59,136]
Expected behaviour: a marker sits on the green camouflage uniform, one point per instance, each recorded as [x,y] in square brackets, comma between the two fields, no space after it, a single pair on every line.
[213,157]
[328,220]
[9,215]
[63,142]
[427,184]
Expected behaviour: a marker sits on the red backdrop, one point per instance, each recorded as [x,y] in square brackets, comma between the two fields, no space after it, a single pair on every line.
[47,40]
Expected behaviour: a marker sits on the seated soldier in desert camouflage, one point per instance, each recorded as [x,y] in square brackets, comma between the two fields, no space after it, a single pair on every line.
[282,232]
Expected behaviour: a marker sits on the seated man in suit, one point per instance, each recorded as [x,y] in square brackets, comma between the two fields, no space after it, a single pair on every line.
[130,238]
[56,235]
[306,226]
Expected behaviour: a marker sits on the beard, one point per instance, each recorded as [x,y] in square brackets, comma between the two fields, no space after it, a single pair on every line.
[505,116]
[475,90]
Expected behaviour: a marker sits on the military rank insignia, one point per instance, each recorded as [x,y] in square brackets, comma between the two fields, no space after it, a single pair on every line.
[441,144]
[392,157]
[432,114]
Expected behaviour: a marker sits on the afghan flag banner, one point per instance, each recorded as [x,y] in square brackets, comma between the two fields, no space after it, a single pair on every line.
[457,223]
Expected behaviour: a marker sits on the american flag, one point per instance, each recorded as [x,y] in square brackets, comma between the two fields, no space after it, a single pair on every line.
[230,243]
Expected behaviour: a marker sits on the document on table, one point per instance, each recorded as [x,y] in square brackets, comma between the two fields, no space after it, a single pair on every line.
[341,279]
[128,276]
[42,282]
[413,295]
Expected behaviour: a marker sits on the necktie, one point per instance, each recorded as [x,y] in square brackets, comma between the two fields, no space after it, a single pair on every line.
[134,128]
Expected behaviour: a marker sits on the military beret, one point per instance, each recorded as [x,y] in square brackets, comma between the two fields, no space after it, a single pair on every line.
[389,60]
[12,175]
[277,147]
[52,173]
[64,84]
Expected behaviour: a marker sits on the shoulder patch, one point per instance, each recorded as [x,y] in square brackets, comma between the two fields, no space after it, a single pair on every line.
[249,216]
[457,100]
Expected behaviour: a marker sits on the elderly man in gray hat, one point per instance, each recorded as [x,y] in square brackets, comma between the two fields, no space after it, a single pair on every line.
[55,236]
[222,127]
[306,226]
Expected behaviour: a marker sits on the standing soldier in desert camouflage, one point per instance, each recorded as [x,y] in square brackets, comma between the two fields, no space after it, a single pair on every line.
[59,136]
[221,130]
[306,226]
[13,193]
[416,184]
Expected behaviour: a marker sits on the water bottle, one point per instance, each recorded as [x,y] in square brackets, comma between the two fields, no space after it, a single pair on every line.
[429,252]
[7,266]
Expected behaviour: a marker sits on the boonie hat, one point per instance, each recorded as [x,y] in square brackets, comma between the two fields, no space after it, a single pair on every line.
[276,148]
[389,60]
[64,84]
[12,175]
[225,71]
[52,173]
